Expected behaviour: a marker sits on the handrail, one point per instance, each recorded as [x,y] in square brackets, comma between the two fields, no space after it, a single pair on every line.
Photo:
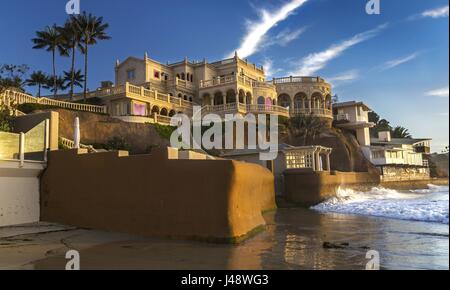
[69,144]
[19,98]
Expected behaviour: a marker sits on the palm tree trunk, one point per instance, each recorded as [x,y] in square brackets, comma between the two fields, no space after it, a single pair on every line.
[54,74]
[39,90]
[72,71]
[85,71]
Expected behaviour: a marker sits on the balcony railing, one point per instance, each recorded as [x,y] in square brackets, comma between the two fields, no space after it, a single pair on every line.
[219,81]
[317,112]
[298,80]
[246,109]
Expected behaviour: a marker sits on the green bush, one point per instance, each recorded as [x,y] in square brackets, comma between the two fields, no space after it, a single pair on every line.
[164,131]
[6,121]
[118,143]
[29,108]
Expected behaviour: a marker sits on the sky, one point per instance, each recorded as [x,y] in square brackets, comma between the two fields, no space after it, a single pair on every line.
[397,62]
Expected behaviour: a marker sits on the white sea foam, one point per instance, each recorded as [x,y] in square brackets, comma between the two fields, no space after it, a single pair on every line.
[428,205]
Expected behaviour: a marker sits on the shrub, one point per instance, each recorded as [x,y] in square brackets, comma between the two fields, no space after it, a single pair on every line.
[6,121]
[164,131]
[118,143]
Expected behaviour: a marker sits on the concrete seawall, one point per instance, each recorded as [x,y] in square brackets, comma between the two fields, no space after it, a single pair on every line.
[310,188]
[217,200]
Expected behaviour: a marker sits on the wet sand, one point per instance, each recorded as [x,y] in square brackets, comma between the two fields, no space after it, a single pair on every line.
[293,240]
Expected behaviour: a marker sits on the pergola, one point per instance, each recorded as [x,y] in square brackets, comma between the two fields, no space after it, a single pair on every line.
[308,157]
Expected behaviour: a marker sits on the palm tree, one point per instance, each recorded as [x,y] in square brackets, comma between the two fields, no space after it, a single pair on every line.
[72,40]
[51,40]
[92,29]
[39,79]
[55,85]
[401,132]
[73,79]
[307,127]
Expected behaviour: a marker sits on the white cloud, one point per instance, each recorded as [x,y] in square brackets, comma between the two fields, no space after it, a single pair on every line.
[269,70]
[257,31]
[345,77]
[399,61]
[436,13]
[286,36]
[443,93]
[314,62]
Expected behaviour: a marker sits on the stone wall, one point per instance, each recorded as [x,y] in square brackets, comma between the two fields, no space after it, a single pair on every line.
[392,173]
[151,195]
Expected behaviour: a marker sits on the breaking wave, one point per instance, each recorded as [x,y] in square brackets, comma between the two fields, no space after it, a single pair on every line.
[427,205]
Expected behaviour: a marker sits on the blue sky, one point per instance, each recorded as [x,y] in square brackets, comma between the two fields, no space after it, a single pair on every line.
[397,62]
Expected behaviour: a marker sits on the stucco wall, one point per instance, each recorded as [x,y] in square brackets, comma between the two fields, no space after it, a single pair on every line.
[19,193]
[310,188]
[151,195]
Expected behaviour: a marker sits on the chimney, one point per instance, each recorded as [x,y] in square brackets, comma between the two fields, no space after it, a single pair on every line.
[385,136]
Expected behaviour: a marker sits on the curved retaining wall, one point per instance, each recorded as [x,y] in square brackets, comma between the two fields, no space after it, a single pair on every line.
[217,200]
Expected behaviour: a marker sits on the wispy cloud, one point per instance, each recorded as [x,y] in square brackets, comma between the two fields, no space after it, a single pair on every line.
[287,36]
[436,13]
[314,62]
[345,76]
[443,93]
[269,70]
[399,61]
[257,30]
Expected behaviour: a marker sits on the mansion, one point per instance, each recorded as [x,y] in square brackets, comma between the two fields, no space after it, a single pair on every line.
[147,89]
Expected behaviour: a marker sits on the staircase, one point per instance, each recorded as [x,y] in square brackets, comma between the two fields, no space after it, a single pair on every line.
[13,98]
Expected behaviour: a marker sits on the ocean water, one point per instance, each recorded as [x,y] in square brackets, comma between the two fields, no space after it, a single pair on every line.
[425,205]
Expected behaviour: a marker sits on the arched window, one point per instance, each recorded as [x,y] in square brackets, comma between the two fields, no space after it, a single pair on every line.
[284,100]
[192,78]
[183,76]
[261,101]
[164,112]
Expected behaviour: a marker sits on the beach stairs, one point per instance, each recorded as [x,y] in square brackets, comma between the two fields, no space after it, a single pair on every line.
[13,98]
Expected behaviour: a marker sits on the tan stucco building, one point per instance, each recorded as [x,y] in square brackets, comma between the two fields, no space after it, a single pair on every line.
[145,88]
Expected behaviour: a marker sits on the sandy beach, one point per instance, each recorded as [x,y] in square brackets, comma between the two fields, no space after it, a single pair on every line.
[294,240]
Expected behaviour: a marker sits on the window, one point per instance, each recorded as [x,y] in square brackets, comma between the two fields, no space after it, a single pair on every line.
[157,74]
[131,74]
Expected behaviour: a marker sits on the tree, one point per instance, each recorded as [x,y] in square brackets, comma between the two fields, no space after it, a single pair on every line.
[72,40]
[306,127]
[39,79]
[55,85]
[73,79]
[52,41]
[11,77]
[400,132]
[92,30]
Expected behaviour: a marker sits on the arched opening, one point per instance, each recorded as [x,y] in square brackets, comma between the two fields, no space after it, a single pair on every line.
[180,96]
[183,76]
[164,112]
[316,100]
[300,101]
[155,110]
[172,113]
[191,99]
[192,78]
[206,100]
[242,96]
[329,102]
[188,76]
[261,101]
[185,97]
[178,76]
[231,97]
[284,100]
[248,98]
[218,99]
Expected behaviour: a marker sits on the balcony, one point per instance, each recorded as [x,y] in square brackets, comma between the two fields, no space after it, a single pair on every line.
[235,108]
[287,80]
[316,112]
[226,80]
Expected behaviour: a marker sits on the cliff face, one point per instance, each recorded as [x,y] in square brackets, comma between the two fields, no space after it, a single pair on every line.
[99,129]
[438,165]
[347,155]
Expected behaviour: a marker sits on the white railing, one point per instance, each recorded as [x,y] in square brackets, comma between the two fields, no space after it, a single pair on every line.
[342,117]
[298,80]
[18,98]
[218,81]
[153,95]
[245,109]
[69,144]
[313,111]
